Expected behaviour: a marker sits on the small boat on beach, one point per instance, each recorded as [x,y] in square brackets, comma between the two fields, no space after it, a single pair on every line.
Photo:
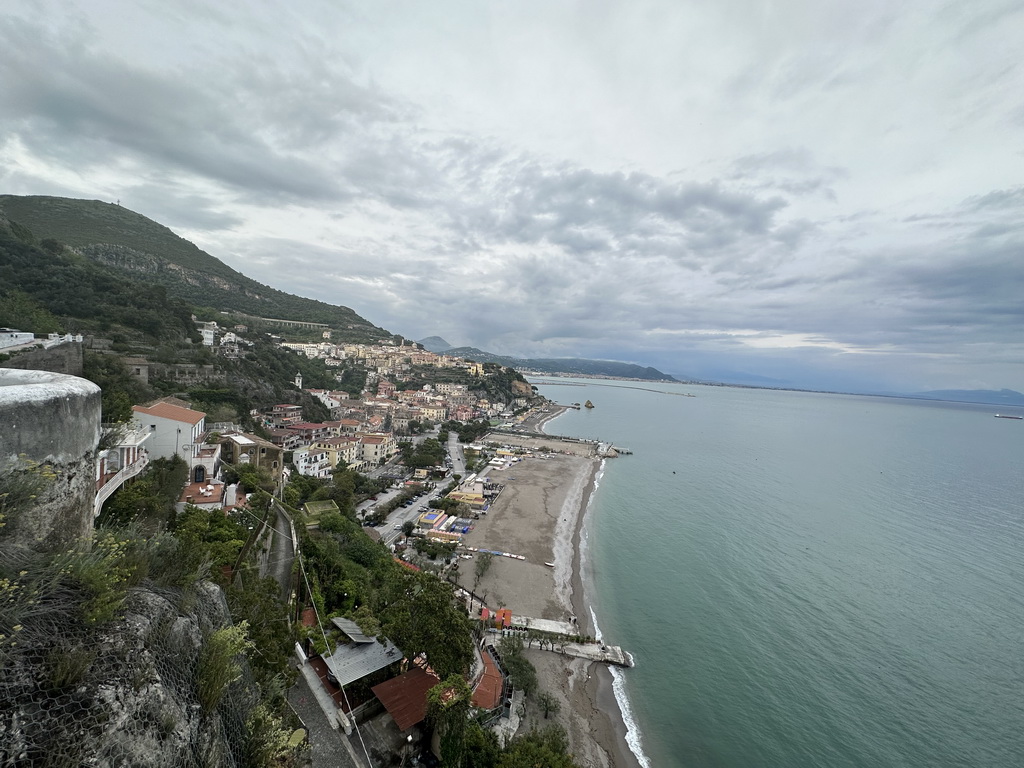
[550,565]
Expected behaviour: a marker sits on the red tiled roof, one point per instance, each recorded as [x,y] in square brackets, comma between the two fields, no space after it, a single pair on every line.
[405,696]
[172,412]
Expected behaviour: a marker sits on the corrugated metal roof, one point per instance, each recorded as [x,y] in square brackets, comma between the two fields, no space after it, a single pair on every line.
[354,662]
[351,629]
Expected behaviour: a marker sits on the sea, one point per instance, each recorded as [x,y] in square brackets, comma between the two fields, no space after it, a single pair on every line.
[807,579]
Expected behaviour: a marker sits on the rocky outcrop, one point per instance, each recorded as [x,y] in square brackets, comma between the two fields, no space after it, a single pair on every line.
[131,260]
[122,695]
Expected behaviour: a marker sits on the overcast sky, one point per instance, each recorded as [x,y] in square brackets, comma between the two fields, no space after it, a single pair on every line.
[824,194]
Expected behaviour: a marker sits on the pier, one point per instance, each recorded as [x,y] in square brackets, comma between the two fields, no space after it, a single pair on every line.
[600,652]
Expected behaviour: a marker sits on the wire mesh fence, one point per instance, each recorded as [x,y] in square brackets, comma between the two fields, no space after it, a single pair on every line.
[126,692]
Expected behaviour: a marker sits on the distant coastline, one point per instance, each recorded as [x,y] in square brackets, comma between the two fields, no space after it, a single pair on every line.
[1016,399]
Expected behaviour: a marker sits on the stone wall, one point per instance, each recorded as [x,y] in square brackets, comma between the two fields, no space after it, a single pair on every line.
[64,358]
[51,421]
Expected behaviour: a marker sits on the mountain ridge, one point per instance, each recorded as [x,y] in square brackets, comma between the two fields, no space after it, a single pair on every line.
[116,237]
[572,365]
[984,396]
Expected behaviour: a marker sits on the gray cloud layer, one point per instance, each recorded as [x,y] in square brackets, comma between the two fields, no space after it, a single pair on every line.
[285,161]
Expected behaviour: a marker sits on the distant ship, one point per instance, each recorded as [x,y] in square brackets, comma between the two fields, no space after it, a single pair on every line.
[1004,416]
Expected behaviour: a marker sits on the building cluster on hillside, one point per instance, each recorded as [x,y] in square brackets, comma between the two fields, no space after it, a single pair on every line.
[363,432]
[170,427]
[385,358]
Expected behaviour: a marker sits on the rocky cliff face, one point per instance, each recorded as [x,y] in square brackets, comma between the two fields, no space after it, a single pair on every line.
[123,695]
[105,637]
[131,260]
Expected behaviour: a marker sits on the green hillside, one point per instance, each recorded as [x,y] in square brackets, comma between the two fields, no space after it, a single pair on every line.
[578,366]
[46,291]
[116,237]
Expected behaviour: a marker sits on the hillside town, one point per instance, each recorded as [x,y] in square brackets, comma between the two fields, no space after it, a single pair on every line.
[279,542]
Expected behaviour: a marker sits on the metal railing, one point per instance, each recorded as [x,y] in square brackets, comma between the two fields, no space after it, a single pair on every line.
[115,482]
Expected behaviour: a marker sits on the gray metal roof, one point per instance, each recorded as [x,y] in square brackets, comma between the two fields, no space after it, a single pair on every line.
[351,629]
[354,662]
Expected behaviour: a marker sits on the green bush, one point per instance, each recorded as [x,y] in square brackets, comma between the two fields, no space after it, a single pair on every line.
[218,663]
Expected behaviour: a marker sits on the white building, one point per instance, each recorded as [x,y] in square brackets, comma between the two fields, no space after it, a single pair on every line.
[313,462]
[377,447]
[9,337]
[209,332]
[176,431]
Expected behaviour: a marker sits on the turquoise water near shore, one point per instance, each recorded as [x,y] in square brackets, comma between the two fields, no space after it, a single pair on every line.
[809,579]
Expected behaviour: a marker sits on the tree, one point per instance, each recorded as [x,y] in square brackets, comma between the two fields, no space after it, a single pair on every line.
[448,712]
[520,671]
[548,703]
[481,747]
[408,527]
[418,612]
[548,748]
[259,603]
[480,567]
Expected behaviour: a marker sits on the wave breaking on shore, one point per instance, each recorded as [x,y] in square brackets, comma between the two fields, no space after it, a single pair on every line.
[633,736]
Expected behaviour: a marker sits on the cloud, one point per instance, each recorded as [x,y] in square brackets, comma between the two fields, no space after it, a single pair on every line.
[254,130]
[707,191]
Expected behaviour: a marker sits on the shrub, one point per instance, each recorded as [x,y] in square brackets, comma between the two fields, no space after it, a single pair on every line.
[218,665]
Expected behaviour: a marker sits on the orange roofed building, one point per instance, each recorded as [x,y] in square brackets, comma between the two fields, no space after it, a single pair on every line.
[175,430]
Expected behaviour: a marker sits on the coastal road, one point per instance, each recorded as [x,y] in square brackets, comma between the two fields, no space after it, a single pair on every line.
[282,552]
[391,530]
[455,452]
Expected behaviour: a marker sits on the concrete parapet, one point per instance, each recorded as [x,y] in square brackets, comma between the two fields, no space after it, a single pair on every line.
[51,420]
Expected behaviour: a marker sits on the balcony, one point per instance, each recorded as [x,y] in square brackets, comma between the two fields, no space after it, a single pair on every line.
[110,482]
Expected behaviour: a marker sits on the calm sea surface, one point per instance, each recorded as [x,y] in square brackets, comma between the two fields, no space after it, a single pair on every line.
[808,579]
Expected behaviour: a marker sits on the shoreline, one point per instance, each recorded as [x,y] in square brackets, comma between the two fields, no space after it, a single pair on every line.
[601,683]
[541,515]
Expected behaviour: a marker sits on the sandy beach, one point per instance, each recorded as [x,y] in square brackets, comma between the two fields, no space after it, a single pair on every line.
[539,515]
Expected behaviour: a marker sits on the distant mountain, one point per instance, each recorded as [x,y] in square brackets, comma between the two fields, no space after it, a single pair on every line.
[130,243]
[435,344]
[987,396]
[577,366]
